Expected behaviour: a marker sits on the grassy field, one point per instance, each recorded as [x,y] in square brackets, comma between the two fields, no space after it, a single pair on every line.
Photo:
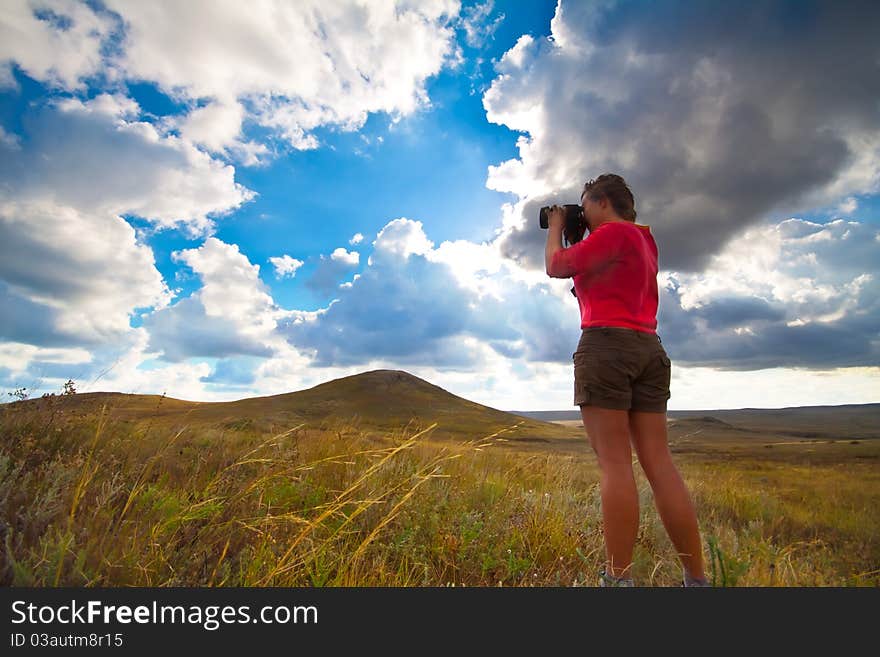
[89,496]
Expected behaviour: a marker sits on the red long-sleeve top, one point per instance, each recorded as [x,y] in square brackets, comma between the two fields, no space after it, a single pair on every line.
[615,276]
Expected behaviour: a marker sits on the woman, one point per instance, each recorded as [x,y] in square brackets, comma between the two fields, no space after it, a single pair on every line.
[622,374]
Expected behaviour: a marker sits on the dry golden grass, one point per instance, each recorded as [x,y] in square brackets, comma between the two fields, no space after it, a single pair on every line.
[95,500]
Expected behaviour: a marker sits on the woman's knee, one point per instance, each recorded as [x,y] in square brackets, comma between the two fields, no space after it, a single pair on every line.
[659,471]
[616,465]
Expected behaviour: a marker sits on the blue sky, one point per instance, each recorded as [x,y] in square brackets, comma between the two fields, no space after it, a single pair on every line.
[158,169]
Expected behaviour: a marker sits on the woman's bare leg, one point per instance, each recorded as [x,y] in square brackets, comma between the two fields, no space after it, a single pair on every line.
[671,496]
[608,431]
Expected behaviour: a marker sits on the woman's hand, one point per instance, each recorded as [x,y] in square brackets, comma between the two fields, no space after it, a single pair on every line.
[556,217]
[555,225]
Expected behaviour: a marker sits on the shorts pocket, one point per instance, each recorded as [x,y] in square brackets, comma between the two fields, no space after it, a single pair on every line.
[581,394]
[666,374]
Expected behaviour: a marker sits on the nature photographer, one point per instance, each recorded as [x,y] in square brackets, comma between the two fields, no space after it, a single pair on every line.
[621,370]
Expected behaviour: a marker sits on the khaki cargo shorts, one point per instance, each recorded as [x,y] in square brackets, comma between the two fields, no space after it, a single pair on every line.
[622,369]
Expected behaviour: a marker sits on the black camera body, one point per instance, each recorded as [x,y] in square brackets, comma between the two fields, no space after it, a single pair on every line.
[575,223]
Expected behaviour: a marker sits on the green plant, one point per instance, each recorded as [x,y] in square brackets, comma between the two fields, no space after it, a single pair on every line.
[726,571]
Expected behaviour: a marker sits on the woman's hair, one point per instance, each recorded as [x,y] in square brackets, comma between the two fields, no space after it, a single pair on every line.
[615,189]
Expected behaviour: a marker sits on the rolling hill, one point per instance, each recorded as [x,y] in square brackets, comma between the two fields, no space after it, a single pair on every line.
[379,400]
[385,401]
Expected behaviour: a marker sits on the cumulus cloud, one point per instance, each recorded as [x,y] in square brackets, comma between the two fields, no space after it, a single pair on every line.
[350,258]
[186,330]
[17,357]
[58,42]
[717,115]
[713,136]
[231,314]
[217,127]
[325,279]
[74,272]
[285,266]
[453,307]
[130,366]
[400,238]
[214,125]
[71,144]
[288,67]
[70,276]
[792,294]
[294,66]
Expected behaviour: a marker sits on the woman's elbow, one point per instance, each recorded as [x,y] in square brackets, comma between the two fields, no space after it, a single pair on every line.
[555,271]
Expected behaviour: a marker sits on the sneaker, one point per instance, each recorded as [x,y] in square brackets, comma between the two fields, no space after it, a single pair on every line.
[612,581]
[688,581]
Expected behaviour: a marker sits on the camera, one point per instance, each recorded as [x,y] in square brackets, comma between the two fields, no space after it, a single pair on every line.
[575,224]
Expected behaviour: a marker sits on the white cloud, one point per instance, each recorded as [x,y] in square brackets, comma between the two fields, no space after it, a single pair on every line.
[116,106]
[793,293]
[516,57]
[163,179]
[709,151]
[772,298]
[400,237]
[351,282]
[325,278]
[449,307]
[477,27]
[233,312]
[213,125]
[812,270]
[285,266]
[130,367]
[16,356]
[30,36]
[231,285]
[697,388]
[298,65]
[848,206]
[73,275]
[289,67]
[345,257]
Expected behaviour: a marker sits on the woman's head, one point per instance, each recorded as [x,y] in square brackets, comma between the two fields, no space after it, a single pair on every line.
[613,189]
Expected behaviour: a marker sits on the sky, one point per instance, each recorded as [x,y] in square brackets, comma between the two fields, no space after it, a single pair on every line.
[222,200]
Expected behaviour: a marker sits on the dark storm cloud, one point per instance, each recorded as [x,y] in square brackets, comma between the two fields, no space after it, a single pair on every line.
[724,313]
[718,114]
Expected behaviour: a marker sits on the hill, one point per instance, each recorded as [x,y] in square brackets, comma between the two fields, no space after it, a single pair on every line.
[379,400]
